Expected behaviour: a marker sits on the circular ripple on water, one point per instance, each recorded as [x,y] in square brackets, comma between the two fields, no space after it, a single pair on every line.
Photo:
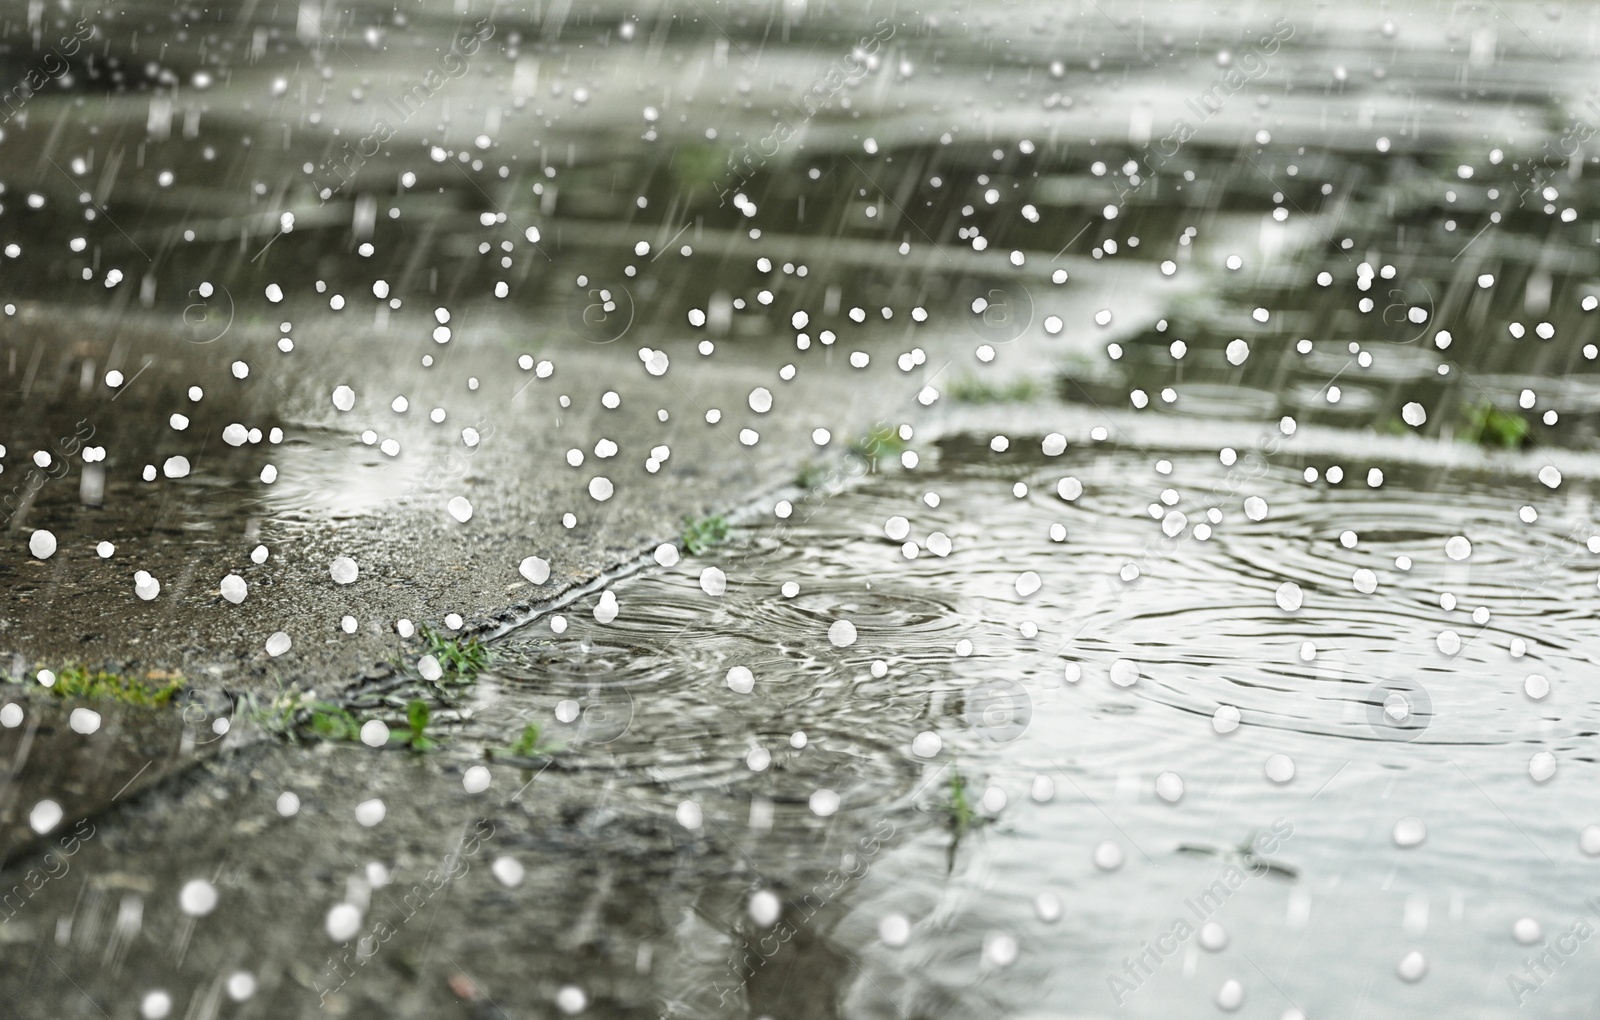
[1202,618]
[664,662]
[897,614]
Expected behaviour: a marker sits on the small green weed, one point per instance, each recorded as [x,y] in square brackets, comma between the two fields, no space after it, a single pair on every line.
[282,715]
[882,440]
[699,166]
[154,688]
[463,658]
[1489,426]
[811,474]
[700,535]
[418,715]
[330,722]
[530,744]
[960,814]
[972,390]
[289,715]
[957,806]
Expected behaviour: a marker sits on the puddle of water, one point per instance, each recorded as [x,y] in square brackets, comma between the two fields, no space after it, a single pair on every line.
[1374,721]
[679,796]
[959,813]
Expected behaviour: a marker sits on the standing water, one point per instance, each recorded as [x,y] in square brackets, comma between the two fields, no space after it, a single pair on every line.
[793,510]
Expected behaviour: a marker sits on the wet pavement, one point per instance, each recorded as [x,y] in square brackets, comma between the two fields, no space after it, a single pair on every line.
[683,790]
[1114,389]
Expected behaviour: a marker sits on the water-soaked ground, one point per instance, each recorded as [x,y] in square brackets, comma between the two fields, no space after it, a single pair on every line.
[720,755]
[1260,690]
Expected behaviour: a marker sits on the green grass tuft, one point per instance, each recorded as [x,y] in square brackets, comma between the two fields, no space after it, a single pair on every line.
[418,716]
[882,440]
[330,722]
[1489,426]
[463,658]
[281,715]
[957,806]
[155,688]
[530,744]
[960,816]
[291,716]
[971,390]
[811,474]
[696,166]
[700,535]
